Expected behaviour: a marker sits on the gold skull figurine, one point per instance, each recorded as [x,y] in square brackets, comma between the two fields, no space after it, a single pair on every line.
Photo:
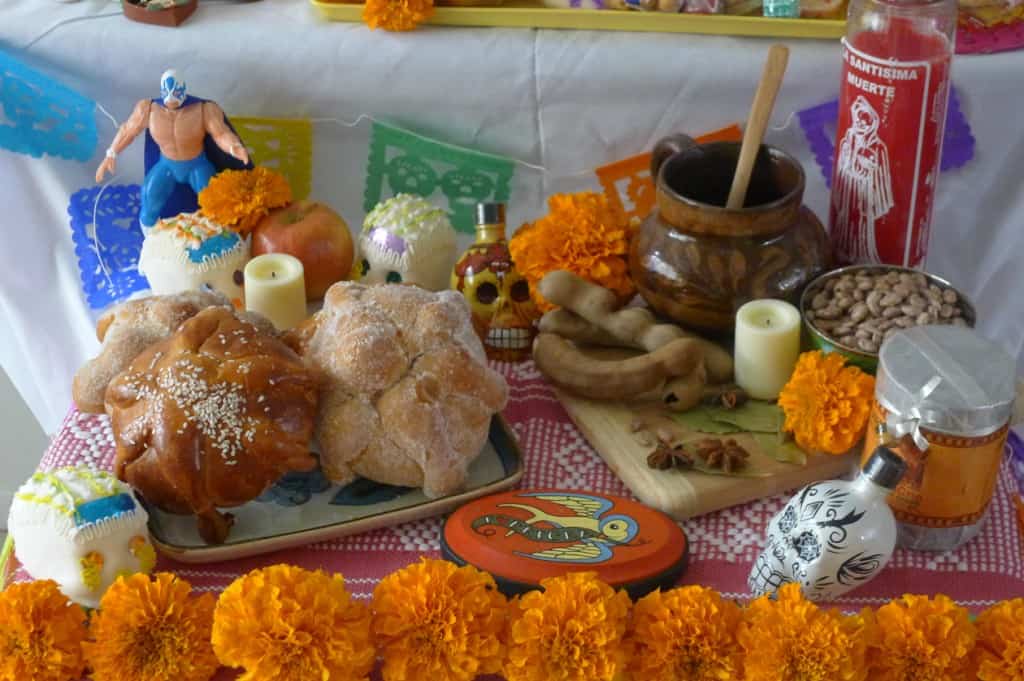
[499,298]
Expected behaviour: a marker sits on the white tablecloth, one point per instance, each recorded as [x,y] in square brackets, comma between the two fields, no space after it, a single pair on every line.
[567,101]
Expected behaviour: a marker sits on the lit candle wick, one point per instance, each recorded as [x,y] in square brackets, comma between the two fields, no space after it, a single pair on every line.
[273,274]
[768,322]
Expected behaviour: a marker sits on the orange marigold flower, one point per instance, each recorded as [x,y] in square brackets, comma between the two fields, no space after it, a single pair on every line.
[686,634]
[827,403]
[572,631]
[792,639]
[1000,649]
[151,629]
[434,620]
[239,199]
[283,623]
[922,639]
[397,15]
[41,634]
[581,233]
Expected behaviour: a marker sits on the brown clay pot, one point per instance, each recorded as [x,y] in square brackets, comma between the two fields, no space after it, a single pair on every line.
[697,262]
[172,16]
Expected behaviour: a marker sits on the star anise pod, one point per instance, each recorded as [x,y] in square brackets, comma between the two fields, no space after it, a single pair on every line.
[665,456]
[726,455]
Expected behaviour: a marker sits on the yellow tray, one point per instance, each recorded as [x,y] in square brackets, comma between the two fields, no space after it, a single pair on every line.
[531,14]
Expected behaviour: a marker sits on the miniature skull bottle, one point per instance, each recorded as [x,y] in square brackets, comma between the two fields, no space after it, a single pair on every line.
[499,297]
[832,536]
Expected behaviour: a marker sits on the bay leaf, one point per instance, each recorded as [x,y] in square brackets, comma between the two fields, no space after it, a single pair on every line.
[701,420]
[754,416]
[775,447]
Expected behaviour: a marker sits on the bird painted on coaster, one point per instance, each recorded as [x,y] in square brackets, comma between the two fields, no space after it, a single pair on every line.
[598,535]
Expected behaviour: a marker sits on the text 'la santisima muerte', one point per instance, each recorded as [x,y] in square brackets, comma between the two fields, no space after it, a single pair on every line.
[884,72]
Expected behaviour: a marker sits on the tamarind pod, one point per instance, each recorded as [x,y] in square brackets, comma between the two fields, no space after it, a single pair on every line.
[586,299]
[565,366]
[600,307]
[635,327]
[686,392]
[570,325]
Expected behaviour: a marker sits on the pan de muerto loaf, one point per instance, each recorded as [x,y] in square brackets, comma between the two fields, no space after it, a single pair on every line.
[129,329]
[408,397]
[211,417]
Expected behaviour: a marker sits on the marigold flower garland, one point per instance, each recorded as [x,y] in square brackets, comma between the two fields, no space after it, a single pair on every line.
[921,639]
[439,621]
[284,623]
[1000,646]
[686,633]
[239,199]
[151,630]
[789,638]
[581,233]
[827,403]
[41,634]
[573,630]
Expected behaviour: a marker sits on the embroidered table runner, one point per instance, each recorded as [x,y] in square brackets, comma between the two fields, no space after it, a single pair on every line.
[723,545]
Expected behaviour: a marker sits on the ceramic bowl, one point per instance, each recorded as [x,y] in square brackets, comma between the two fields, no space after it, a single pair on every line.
[816,339]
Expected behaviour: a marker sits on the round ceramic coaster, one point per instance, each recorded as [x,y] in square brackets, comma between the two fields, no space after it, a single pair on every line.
[524,536]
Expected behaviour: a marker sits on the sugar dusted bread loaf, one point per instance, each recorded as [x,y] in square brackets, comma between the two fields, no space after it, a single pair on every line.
[409,396]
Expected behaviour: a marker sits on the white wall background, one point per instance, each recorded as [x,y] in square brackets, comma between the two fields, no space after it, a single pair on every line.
[21,445]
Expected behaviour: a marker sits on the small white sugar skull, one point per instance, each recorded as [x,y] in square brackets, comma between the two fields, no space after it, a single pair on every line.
[828,539]
[82,528]
[189,252]
[406,240]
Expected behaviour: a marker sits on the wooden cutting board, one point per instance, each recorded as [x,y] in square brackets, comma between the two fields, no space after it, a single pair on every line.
[684,494]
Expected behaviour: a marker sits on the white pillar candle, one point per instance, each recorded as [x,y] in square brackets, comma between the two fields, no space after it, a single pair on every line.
[275,287]
[767,346]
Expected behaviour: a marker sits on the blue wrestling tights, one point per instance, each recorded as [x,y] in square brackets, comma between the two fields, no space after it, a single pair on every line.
[163,177]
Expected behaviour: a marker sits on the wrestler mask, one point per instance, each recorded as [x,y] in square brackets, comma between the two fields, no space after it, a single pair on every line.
[499,298]
[172,89]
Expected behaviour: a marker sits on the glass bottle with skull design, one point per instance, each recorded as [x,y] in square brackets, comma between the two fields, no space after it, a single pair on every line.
[499,297]
[833,536]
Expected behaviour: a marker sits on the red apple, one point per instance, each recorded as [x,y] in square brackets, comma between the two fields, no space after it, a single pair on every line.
[314,234]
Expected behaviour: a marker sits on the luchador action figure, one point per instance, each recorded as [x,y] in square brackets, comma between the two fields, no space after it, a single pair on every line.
[181,128]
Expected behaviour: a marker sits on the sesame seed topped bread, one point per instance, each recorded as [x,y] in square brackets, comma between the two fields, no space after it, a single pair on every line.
[211,417]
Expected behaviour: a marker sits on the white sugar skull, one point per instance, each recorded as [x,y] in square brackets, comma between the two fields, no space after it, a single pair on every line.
[82,528]
[189,252]
[406,240]
[830,538]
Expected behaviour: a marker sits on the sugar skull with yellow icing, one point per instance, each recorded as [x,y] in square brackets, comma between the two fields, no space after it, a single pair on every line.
[82,528]
[499,298]
[406,240]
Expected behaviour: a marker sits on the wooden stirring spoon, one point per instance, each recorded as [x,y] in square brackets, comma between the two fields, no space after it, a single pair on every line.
[757,123]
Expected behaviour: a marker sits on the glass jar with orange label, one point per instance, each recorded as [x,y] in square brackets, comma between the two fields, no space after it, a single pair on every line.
[943,401]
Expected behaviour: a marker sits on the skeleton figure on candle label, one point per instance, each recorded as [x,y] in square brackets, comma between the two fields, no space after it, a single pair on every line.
[188,140]
[863,193]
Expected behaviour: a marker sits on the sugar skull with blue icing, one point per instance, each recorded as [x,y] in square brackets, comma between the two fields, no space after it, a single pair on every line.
[190,252]
[406,240]
[82,528]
